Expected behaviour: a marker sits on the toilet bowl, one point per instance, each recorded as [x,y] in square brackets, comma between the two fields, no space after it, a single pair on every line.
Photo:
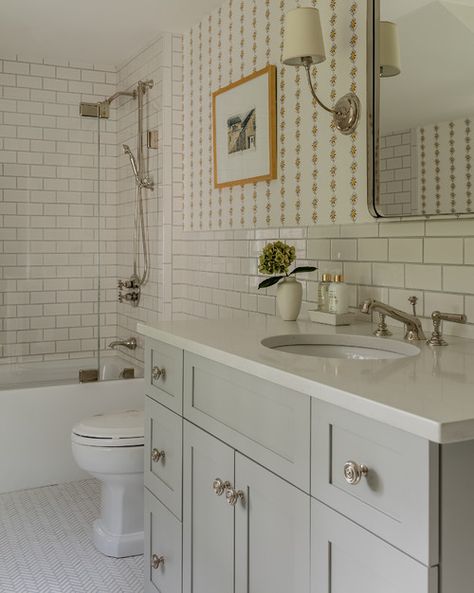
[110,448]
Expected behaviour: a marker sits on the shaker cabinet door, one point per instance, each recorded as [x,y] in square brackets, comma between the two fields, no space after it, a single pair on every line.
[208,520]
[346,557]
[272,532]
[162,548]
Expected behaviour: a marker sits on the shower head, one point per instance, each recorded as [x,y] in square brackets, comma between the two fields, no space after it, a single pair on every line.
[133,162]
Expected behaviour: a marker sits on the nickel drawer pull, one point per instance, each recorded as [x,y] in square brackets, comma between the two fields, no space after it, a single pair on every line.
[157,561]
[156,455]
[354,472]
[157,373]
[219,486]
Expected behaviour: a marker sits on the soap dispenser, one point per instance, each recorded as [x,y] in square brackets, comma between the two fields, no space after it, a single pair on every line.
[338,294]
[323,292]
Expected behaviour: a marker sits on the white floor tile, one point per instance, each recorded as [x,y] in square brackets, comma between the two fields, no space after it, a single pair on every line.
[46,544]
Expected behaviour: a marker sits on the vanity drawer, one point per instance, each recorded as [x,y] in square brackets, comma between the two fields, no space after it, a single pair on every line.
[164,374]
[398,497]
[346,557]
[163,554]
[163,455]
[262,420]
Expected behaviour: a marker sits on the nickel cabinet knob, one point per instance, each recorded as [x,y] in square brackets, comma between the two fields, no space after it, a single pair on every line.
[232,496]
[354,472]
[157,373]
[156,455]
[157,561]
[219,486]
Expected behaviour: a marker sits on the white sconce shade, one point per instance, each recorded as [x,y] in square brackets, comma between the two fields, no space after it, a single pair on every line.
[303,45]
[389,52]
[303,37]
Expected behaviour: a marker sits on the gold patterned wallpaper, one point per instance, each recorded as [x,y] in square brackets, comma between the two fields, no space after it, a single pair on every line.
[322,174]
[445,168]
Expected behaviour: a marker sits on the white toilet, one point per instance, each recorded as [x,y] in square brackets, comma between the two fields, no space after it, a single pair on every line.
[110,447]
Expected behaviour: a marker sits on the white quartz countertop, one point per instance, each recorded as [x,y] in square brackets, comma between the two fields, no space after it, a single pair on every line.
[430,395]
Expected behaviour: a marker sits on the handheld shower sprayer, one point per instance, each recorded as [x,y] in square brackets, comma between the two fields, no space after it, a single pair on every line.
[133,162]
[141,256]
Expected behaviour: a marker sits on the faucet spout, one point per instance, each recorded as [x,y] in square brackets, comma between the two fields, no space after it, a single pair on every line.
[414,329]
[131,344]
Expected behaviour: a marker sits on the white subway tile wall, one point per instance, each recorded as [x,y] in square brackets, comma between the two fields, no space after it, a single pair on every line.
[50,213]
[215,273]
[161,61]
[51,218]
[398,173]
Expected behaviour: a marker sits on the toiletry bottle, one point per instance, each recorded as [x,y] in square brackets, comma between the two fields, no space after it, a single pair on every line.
[323,290]
[338,295]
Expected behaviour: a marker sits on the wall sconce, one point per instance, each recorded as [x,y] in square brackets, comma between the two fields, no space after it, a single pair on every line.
[303,45]
[389,44]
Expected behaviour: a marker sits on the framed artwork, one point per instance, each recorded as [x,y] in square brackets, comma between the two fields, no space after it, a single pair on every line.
[244,130]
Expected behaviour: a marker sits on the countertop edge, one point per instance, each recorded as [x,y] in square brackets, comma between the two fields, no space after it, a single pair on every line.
[431,430]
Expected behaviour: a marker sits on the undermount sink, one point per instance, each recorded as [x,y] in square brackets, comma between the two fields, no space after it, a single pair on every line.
[341,346]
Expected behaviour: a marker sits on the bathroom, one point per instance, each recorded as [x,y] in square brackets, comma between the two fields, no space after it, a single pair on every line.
[115,228]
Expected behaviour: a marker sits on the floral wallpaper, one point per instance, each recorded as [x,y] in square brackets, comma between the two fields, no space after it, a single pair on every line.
[445,168]
[321,174]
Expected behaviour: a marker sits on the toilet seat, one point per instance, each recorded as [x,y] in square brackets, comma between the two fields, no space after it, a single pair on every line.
[120,429]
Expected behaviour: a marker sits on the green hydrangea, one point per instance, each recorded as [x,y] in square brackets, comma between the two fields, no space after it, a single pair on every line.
[276,258]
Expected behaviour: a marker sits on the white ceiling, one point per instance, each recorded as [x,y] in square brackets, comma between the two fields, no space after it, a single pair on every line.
[437,60]
[392,10]
[100,31]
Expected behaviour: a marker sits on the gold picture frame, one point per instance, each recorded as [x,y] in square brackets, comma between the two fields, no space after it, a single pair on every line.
[244,130]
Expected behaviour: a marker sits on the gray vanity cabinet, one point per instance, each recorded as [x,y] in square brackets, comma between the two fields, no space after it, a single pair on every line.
[256,541]
[252,487]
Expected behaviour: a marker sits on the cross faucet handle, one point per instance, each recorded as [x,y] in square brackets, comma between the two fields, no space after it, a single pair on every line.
[413,301]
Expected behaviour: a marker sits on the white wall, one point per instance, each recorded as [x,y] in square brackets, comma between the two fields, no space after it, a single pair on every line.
[215,273]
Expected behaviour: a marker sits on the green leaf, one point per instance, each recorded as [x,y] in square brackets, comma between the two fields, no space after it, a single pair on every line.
[303,269]
[270,281]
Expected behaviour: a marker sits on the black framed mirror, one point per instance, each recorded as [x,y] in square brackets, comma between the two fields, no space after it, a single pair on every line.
[421,107]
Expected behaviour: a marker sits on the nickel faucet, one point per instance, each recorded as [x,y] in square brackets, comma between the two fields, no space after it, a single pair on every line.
[131,344]
[414,329]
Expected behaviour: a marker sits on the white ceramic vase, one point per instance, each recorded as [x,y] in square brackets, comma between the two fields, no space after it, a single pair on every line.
[289,297]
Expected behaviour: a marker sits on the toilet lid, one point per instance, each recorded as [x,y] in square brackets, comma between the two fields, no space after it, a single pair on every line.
[126,424]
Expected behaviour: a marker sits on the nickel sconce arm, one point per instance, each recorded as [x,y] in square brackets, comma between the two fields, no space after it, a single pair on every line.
[307,67]
[346,113]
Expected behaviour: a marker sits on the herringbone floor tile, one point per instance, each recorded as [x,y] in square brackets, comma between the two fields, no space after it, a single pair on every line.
[46,545]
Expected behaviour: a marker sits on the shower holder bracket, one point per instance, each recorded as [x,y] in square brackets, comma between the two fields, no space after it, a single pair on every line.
[152,139]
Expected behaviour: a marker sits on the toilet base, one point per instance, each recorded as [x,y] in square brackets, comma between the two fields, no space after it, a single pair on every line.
[117,546]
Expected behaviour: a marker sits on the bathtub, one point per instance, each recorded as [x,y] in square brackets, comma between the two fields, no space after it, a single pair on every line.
[39,405]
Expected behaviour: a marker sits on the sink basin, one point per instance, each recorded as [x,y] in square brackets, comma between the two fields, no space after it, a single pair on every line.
[341,346]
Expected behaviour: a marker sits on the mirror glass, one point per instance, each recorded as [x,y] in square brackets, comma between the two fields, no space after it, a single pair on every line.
[425,116]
